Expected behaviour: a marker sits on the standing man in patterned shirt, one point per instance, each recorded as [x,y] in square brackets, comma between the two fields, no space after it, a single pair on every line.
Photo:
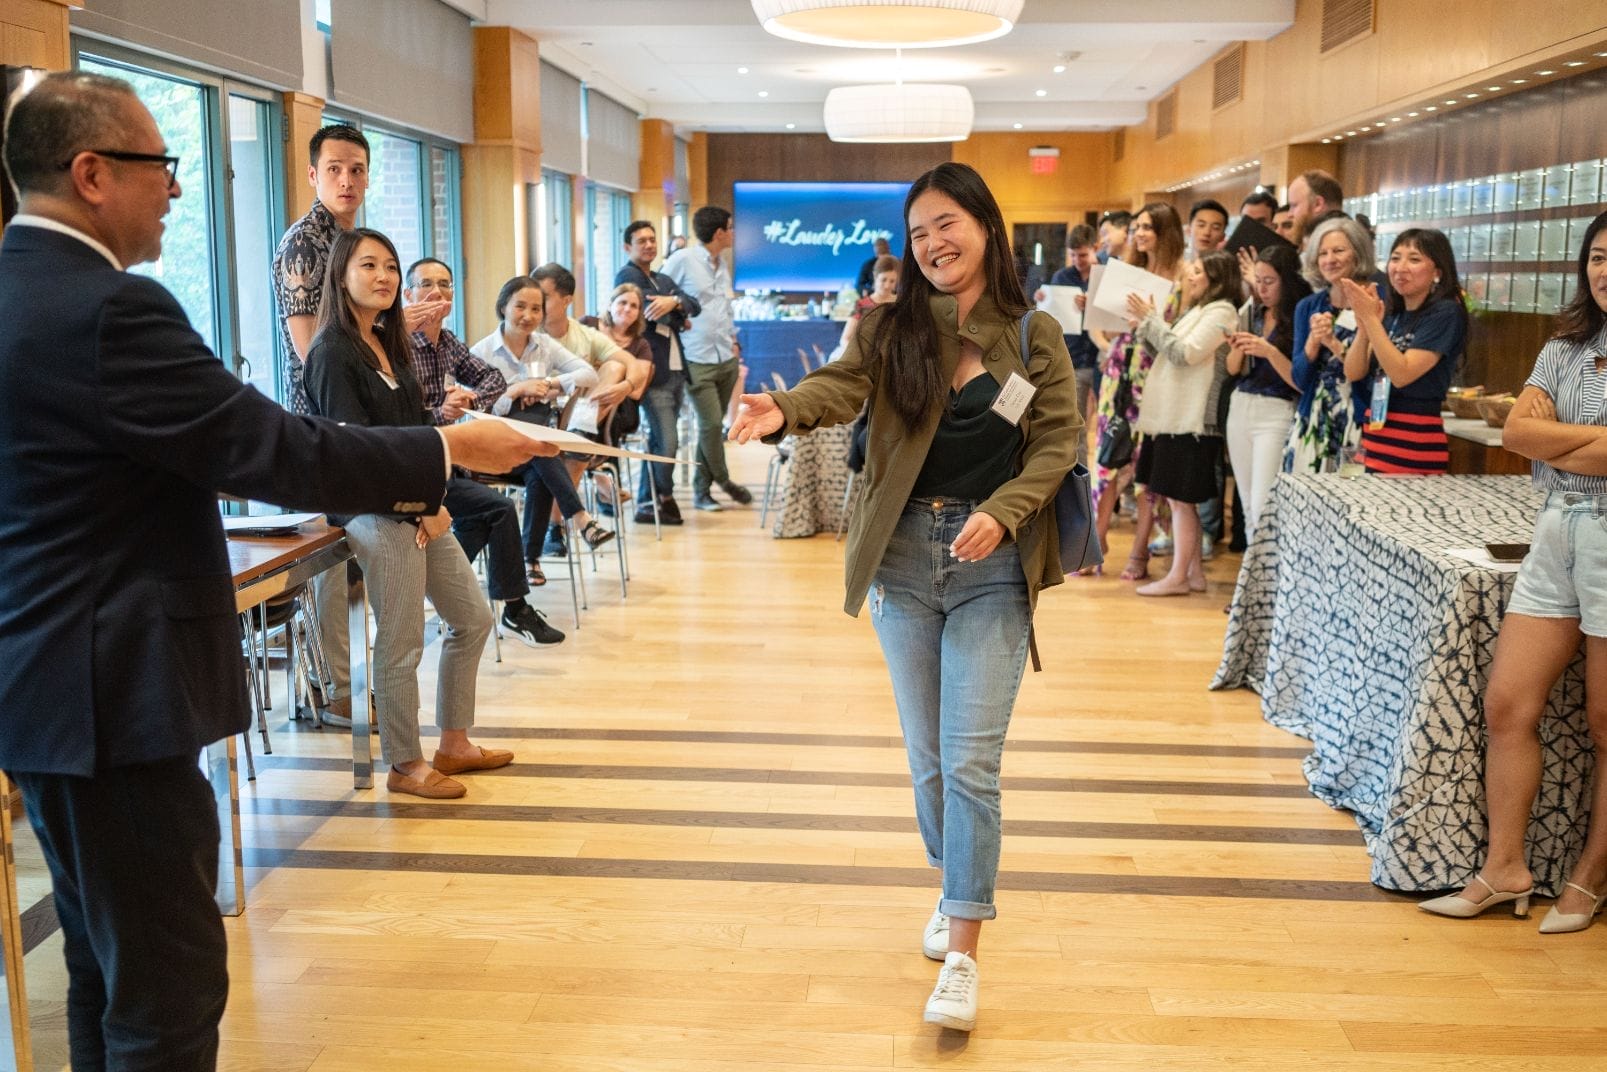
[337,169]
[454,381]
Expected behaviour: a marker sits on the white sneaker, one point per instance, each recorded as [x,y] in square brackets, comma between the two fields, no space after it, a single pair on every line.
[935,939]
[953,1001]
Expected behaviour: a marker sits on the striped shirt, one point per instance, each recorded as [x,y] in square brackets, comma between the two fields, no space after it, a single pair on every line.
[1567,372]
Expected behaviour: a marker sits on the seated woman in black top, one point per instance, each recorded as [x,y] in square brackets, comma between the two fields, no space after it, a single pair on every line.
[358,373]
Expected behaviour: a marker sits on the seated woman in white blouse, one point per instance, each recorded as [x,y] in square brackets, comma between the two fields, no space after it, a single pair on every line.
[538,371]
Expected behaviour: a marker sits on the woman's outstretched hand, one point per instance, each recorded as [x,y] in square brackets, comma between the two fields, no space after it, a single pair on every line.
[757,417]
[978,539]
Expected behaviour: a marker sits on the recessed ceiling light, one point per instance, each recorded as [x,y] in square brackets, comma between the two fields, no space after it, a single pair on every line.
[764,93]
[1060,68]
[742,70]
[1493,89]
[1352,133]
[1601,55]
[1470,96]
[1394,119]
[1017,126]
[1380,126]
[1327,141]
[1040,93]
[1575,63]
[1432,108]
[1450,102]
[1519,81]
[1544,73]
[1411,115]
[792,126]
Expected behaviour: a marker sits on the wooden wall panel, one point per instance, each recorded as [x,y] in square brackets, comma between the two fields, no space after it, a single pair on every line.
[736,158]
[34,33]
[1557,123]
[1079,184]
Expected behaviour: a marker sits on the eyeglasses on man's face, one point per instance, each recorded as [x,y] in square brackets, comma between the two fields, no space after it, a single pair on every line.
[169,163]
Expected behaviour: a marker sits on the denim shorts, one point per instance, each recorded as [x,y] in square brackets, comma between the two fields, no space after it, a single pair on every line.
[1565,573]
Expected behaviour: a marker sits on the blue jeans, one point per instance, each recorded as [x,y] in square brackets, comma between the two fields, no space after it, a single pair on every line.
[661,407]
[955,638]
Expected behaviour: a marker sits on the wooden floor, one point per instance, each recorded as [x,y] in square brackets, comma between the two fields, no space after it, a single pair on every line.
[705,860]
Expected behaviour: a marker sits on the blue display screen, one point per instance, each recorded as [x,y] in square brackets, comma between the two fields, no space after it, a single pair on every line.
[812,235]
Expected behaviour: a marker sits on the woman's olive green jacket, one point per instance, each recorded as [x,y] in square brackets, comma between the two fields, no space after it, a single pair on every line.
[894,455]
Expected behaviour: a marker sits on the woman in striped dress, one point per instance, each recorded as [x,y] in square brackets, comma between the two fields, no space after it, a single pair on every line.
[1410,348]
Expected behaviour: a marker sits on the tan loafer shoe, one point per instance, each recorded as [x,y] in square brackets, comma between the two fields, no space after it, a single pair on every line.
[488,759]
[434,785]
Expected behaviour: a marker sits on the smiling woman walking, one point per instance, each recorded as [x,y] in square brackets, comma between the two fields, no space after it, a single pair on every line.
[969,440]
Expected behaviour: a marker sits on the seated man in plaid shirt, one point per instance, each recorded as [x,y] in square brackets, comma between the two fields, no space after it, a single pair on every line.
[453,381]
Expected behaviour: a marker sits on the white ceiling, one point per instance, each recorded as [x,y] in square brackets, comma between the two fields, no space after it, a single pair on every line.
[677,59]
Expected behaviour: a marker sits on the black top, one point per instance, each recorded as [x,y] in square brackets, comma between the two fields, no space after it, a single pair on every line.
[343,387]
[974,450]
[1262,378]
[657,284]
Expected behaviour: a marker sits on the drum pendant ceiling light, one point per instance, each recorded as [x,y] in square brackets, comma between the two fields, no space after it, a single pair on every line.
[888,23]
[906,112]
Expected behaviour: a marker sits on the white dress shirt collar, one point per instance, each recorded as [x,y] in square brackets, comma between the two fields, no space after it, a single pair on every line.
[28,219]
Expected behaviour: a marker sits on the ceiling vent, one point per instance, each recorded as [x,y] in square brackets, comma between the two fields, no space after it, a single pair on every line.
[1165,115]
[1343,21]
[1227,78]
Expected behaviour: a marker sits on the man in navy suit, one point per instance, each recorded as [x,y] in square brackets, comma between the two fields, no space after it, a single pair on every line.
[119,645]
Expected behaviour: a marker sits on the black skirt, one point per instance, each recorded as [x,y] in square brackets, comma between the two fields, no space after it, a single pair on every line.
[1181,467]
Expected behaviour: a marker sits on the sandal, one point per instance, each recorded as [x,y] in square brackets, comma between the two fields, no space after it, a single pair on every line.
[1137,568]
[534,576]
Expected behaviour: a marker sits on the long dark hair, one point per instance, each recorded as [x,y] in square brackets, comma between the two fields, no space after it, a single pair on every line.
[335,306]
[1168,229]
[1582,318]
[905,338]
[1223,280]
[1292,287]
[1437,248]
[514,286]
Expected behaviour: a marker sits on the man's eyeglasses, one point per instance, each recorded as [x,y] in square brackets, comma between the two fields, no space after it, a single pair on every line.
[169,163]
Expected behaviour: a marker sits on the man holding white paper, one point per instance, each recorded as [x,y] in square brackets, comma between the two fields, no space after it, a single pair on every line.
[1081,243]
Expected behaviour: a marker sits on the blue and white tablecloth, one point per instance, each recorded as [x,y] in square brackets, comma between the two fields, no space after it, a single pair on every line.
[1362,634]
[815,483]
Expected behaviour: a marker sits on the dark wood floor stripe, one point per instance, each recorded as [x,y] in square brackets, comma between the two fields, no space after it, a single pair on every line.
[761,820]
[845,740]
[1038,881]
[854,778]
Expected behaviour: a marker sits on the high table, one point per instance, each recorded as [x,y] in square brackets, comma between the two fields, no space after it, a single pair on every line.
[1362,634]
[814,496]
[771,346]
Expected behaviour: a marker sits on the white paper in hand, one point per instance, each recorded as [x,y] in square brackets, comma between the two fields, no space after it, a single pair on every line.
[568,442]
[1060,302]
[1095,318]
[1121,279]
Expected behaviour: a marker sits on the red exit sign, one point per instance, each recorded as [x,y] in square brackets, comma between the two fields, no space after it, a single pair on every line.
[1044,159]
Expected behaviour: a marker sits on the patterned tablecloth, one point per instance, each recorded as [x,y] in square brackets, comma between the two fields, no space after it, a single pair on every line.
[815,480]
[1362,634]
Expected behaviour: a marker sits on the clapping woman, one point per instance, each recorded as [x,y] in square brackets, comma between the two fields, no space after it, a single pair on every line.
[358,372]
[955,535]
[1329,412]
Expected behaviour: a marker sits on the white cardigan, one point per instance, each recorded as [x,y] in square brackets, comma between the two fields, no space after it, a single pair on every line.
[1179,396]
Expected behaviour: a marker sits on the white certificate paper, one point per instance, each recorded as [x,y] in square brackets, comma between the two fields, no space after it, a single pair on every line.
[1060,302]
[568,442]
[1121,279]
[1095,318]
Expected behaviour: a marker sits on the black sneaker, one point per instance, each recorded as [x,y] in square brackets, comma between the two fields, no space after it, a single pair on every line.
[702,500]
[739,494]
[555,547]
[668,512]
[595,535]
[530,626]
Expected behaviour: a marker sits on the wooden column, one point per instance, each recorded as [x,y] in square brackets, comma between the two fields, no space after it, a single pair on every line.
[504,159]
[304,115]
[1282,164]
[655,191]
[34,33]
[697,166]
